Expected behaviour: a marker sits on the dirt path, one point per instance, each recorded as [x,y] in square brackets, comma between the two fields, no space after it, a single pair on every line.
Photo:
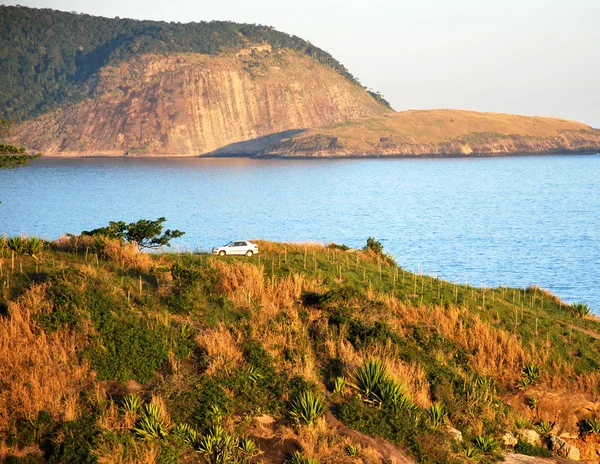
[589,332]
[389,453]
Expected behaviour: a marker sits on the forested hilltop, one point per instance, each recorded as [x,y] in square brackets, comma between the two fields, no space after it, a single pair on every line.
[49,57]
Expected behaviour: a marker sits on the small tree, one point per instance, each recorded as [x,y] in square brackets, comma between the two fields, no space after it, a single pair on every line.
[144,233]
[374,245]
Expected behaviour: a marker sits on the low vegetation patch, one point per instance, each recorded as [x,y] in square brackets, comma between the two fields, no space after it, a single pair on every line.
[179,355]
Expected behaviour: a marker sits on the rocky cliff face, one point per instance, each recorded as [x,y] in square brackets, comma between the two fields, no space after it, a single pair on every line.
[441,133]
[193,104]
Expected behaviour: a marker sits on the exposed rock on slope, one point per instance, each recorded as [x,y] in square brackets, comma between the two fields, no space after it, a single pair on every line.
[441,133]
[193,104]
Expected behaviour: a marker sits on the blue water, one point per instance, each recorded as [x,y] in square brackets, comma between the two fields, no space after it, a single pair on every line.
[515,221]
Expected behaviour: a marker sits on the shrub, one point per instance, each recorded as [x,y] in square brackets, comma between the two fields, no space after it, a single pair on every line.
[374,245]
[144,233]
[307,407]
[532,450]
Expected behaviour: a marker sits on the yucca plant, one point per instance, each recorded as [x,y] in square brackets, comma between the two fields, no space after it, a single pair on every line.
[307,407]
[533,402]
[339,386]
[544,427]
[151,426]
[17,244]
[529,375]
[470,452]
[580,310]
[131,403]
[220,447]
[33,246]
[190,435]
[368,380]
[521,423]
[299,458]
[436,415]
[215,415]
[485,444]
[592,426]
[391,393]
[352,450]
[253,374]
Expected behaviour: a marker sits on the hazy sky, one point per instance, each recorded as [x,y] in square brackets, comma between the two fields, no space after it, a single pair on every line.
[535,57]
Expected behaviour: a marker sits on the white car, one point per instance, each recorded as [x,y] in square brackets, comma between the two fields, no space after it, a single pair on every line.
[237,247]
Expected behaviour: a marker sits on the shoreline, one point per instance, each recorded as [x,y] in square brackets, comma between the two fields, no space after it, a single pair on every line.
[312,157]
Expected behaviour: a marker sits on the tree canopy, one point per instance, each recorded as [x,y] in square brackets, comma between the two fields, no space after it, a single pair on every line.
[144,233]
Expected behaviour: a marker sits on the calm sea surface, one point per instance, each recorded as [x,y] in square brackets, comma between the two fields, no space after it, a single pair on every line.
[516,221]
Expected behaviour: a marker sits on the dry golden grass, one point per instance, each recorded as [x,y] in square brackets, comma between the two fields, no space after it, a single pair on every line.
[39,371]
[222,349]
[435,126]
[442,131]
[111,452]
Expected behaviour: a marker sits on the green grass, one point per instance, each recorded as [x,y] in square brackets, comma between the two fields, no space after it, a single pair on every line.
[149,336]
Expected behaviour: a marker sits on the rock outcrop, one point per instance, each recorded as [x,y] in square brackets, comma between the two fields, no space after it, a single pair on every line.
[441,133]
[563,448]
[194,104]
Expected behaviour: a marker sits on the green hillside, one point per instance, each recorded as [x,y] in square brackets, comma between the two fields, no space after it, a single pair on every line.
[112,355]
[49,58]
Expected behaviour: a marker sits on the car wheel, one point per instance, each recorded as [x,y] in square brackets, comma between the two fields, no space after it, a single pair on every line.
[222,253]
[249,253]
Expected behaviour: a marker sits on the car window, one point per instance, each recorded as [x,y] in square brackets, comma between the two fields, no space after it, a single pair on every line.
[242,243]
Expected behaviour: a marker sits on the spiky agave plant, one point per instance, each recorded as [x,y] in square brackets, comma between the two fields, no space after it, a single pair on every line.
[190,435]
[368,380]
[33,246]
[544,427]
[485,444]
[352,450]
[151,426]
[592,426]
[581,310]
[131,403]
[339,386]
[307,407]
[17,244]
[436,415]
[299,458]
[391,394]
[529,375]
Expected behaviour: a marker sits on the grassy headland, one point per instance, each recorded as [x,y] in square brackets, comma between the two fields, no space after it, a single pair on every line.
[112,355]
[441,133]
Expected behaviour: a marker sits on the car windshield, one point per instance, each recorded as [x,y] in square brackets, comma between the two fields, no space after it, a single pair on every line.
[229,244]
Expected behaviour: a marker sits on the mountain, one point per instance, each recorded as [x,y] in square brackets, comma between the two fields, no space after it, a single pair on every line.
[441,133]
[79,84]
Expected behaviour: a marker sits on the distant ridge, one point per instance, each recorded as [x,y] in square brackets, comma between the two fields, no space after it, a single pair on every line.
[441,133]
